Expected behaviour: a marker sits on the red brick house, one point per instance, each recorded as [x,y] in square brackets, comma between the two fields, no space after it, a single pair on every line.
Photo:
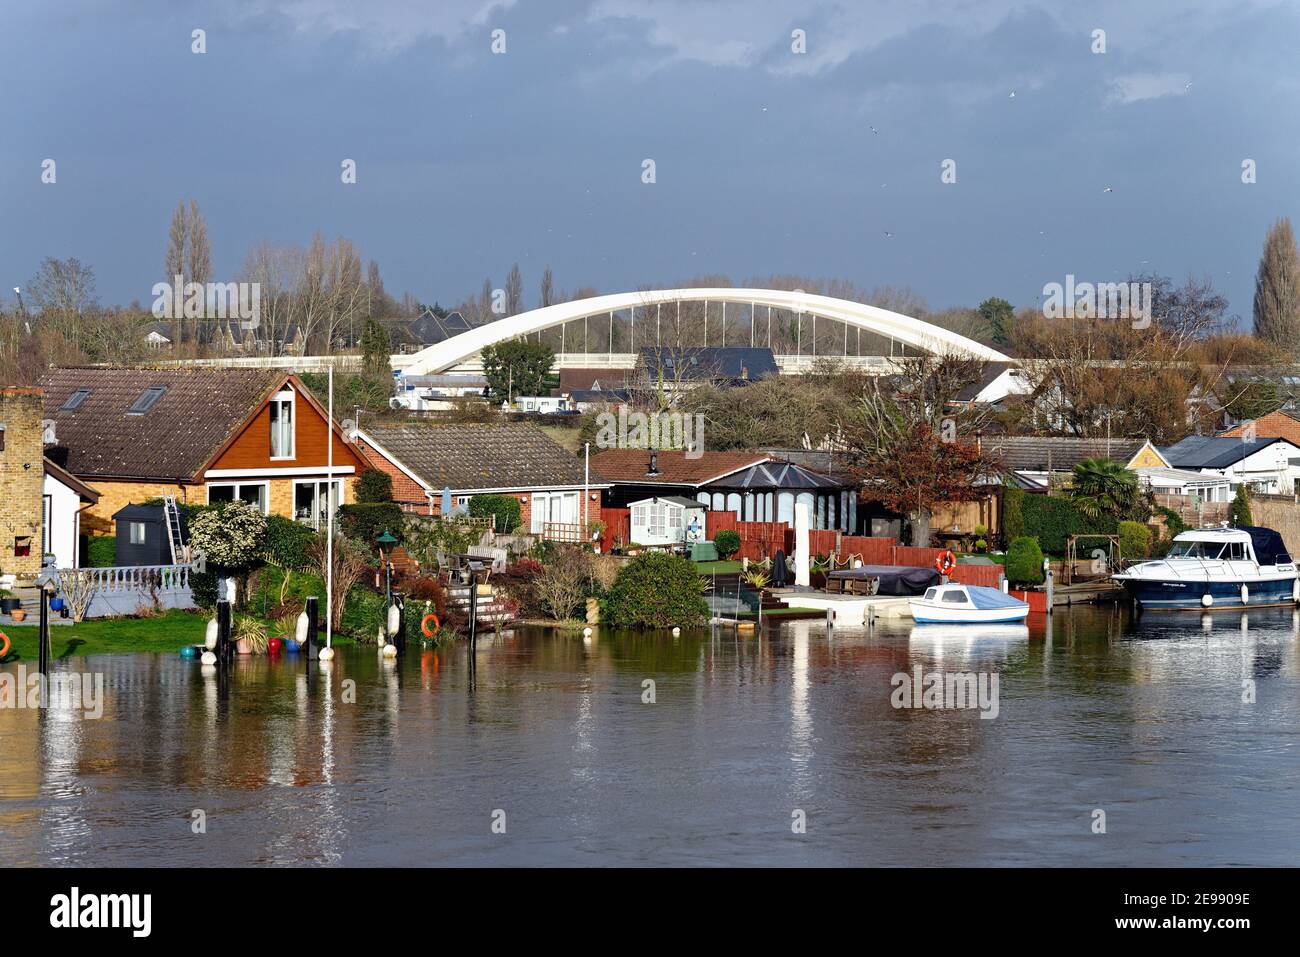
[509,458]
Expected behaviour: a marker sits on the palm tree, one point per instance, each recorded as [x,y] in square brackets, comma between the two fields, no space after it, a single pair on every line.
[1104,487]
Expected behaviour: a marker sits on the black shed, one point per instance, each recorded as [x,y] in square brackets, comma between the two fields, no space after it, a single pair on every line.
[142,536]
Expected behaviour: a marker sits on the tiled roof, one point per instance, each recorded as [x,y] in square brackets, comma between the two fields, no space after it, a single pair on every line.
[1211,451]
[1056,453]
[197,412]
[1275,425]
[462,457]
[630,465]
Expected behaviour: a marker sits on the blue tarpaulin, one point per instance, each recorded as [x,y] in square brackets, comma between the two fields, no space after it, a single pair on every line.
[983,597]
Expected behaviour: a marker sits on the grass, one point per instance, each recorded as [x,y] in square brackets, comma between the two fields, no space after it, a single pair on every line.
[165,633]
[780,612]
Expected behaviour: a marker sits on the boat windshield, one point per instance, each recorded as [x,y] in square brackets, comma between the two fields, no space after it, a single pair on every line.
[1196,550]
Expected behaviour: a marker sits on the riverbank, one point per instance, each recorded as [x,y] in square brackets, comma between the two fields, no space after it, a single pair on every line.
[107,636]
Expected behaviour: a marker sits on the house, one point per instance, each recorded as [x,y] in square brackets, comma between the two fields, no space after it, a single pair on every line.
[1266,465]
[997,381]
[586,400]
[429,329]
[203,435]
[752,485]
[1032,460]
[667,520]
[441,391]
[510,458]
[66,497]
[1201,486]
[1275,425]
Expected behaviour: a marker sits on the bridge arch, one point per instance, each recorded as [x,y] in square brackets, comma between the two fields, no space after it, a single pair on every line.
[908,330]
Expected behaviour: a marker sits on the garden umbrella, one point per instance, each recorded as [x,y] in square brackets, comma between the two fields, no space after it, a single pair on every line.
[446,500]
[780,574]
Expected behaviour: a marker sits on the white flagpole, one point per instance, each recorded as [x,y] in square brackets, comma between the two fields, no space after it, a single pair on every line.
[329,518]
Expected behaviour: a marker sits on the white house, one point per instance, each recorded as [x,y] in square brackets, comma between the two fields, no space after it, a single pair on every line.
[1207,487]
[1264,465]
[65,496]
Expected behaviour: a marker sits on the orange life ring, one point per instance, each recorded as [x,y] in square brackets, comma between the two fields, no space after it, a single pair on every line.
[424,625]
[5,639]
[946,562]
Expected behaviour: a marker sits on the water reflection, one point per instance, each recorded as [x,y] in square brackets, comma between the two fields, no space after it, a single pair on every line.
[366,761]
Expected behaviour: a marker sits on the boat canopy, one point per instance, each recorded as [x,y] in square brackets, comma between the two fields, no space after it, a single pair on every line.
[984,597]
[1269,547]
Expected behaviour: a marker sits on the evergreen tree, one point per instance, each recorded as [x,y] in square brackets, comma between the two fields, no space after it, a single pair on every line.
[997,315]
[1241,507]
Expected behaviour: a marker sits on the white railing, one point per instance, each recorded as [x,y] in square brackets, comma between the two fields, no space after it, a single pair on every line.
[138,578]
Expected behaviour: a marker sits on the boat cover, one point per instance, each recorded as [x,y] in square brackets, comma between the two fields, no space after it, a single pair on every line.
[984,597]
[1269,547]
[894,579]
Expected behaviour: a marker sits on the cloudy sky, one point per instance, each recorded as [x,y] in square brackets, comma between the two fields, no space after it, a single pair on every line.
[766,160]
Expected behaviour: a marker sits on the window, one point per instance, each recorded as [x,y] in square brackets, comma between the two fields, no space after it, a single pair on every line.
[75,400]
[136,531]
[310,500]
[954,596]
[657,519]
[148,398]
[254,493]
[282,425]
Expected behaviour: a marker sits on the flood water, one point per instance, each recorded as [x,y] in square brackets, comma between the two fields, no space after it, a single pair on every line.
[549,736]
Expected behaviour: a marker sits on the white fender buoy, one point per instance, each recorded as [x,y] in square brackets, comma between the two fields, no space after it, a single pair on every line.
[1245,595]
[676,631]
[208,658]
[210,636]
[300,630]
[1295,590]
[1207,600]
[394,619]
[586,632]
[379,637]
[326,654]
[390,651]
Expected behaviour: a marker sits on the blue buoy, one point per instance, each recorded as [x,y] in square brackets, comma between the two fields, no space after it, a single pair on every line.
[189,651]
[290,646]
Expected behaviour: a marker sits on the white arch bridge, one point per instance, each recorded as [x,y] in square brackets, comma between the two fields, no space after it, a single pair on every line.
[609,330]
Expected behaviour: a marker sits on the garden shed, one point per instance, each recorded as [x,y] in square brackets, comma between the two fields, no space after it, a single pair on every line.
[667,520]
[141,536]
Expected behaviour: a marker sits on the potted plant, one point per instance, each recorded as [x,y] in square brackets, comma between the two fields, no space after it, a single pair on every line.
[250,636]
[18,614]
[8,602]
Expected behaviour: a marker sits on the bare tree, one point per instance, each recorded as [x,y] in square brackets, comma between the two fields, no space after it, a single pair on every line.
[514,291]
[548,288]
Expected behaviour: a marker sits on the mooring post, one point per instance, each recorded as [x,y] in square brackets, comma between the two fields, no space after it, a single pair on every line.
[473,609]
[225,650]
[43,656]
[1049,591]
[313,615]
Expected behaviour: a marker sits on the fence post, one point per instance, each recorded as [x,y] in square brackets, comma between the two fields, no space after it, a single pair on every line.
[225,650]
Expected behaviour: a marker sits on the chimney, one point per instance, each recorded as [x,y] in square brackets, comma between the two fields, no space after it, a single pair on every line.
[654,463]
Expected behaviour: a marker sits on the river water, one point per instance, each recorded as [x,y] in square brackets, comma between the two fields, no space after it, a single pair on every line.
[784,749]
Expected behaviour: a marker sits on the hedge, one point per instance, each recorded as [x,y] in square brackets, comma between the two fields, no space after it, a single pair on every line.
[366,522]
[1052,520]
[101,551]
[656,590]
[505,508]
[1024,562]
[1134,540]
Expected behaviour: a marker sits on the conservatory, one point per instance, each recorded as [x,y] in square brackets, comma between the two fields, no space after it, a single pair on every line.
[667,520]
[768,491]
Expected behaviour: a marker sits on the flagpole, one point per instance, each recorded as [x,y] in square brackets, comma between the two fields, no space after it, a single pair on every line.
[328,652]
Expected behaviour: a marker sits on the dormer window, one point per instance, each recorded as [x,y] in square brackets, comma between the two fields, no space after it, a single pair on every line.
[282,425]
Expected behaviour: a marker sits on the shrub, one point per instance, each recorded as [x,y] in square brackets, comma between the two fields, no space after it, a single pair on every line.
[231,537]
[289,543]
[727,542]
[1241,507]
[203,586]
[518,581]
[373,486]
[1013,515]
[364,523]
[363,613]
[504,508]
[101,551]
[1134,540]
[656,590]
[1024,562]
[1173,521]
[564,585]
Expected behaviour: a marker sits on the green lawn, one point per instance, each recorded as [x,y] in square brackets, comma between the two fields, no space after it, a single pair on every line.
[115,636]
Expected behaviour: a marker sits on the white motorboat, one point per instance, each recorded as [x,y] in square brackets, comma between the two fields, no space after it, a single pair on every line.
[955,604]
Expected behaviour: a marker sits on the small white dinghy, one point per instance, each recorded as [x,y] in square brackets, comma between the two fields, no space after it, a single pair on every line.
[966,605]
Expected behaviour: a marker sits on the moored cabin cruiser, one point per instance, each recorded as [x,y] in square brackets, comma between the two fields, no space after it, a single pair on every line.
[1216,568]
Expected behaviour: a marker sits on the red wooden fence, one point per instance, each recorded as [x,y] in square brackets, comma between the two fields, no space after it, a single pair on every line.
[872,551]
[977,575]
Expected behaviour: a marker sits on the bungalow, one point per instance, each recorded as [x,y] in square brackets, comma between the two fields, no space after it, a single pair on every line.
[672,368]
[201,434]
[426,459]
[753,485]
[1032,460]
[1263,464]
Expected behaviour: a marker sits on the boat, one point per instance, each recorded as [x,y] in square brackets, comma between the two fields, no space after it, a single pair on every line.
[954,604]
[1216,568]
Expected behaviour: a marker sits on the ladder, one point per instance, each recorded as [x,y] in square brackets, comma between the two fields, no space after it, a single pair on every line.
[175,536]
